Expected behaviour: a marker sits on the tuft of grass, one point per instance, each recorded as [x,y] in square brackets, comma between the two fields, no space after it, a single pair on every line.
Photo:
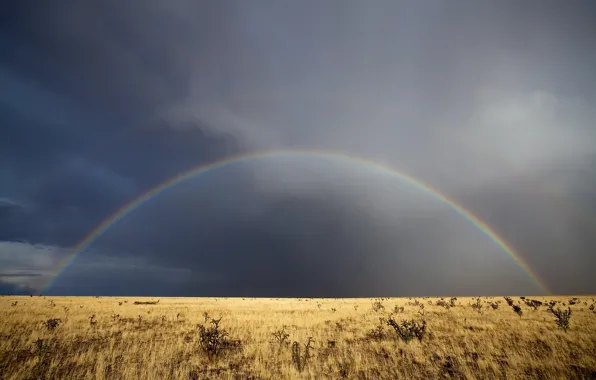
[377,306]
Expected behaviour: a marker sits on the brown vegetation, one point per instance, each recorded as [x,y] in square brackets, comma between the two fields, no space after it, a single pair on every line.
[229,338]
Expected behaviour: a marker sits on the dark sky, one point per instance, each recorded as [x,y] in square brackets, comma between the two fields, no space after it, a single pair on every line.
[493,103]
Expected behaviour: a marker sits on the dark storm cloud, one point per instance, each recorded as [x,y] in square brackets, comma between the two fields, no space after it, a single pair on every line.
[490,102]
[15,290]
[20,274]
[328,243]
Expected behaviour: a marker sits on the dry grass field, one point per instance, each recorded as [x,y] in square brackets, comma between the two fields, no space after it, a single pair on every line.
[177,338]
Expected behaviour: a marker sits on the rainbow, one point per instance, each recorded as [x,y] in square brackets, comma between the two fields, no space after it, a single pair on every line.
[236,159]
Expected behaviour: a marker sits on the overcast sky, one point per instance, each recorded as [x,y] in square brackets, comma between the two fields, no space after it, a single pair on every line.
[491,102]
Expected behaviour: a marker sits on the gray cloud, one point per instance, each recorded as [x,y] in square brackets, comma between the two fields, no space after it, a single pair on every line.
[492,103]
[20,274]
[16,290]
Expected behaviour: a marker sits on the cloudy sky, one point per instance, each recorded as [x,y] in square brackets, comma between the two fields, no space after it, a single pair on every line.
[492,103]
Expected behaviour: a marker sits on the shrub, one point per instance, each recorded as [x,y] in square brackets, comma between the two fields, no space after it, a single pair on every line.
[281,336]
[509,301]
[378,333]
[415,303]
[535,304]
[408,329]
[146,302]
[398,309]
[477,306]
[299,359]
[213,339]
[444,304]
[52,323]
[562,318]
[421,310]
[518,310]
[378,306]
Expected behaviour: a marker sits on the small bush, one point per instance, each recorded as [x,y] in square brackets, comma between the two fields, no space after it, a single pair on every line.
[477,306]
[421,310]
[299,359]
[281,336]
[562,318]
[377,306]
[146,302]
[415,303]
[509,301]
[534,304]
[397,309]
[52,323]
[408,330]
[518,310]
[214,340]
[378,333]
[444,304]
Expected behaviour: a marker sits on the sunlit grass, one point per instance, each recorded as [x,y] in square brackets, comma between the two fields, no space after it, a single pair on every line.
[471,340]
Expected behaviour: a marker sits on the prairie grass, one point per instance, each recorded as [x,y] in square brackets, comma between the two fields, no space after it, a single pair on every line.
[140,338]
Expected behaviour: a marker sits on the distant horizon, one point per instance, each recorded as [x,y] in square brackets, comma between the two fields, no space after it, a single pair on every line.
[306,297]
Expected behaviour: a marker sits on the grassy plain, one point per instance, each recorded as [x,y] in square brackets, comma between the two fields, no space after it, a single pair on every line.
[351,340]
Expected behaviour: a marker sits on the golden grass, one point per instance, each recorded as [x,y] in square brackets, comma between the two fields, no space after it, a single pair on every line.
[460,342]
